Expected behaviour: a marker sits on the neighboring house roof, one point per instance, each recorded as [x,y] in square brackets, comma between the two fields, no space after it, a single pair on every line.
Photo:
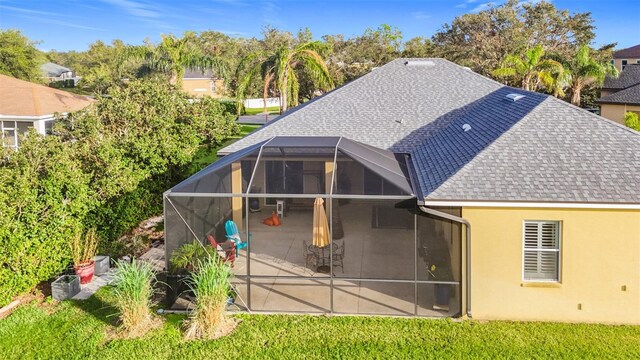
[23,98]
[630,96]
[537,148]
[631,52]
[53,70]
[196,74]
[628,77]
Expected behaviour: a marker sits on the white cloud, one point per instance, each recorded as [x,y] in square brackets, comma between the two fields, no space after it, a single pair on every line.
[135,8]
[483,6]
[420,15]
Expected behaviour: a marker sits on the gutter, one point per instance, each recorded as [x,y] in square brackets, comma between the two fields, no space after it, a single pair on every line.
[468,227]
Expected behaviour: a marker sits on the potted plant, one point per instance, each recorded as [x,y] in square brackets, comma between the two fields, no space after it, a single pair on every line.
[184,260]
[83,251]
[442,291]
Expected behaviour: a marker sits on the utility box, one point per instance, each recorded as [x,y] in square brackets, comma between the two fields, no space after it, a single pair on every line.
[102,264]
[65,287]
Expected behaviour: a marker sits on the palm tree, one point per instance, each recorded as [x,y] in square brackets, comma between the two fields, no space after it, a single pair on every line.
[172,55]
[281,70]
[584,70]
[532,69]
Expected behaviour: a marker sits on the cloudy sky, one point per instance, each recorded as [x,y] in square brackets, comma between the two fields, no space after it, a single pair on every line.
[74,24]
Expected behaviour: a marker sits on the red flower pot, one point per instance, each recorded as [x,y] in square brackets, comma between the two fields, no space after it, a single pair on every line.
[85,271]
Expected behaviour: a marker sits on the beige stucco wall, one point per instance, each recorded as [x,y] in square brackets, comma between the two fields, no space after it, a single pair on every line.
[618,62]
[201,87]
[600,256]
[616,112]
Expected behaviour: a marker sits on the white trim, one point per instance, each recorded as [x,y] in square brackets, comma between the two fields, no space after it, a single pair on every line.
[559,251]
[29,117]
[516,204]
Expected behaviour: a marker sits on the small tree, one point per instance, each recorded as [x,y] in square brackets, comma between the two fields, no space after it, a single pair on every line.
[631,120]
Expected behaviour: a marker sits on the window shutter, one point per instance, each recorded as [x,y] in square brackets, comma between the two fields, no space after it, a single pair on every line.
[541,256]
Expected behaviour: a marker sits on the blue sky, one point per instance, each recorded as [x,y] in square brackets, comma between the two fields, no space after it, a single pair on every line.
[74,24]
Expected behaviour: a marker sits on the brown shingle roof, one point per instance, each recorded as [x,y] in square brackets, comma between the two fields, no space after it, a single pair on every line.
[23,98]
[632,52]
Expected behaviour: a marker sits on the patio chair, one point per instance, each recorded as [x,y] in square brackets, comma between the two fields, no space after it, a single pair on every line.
[338,254]
[227,253]
[311,255]
[234,235]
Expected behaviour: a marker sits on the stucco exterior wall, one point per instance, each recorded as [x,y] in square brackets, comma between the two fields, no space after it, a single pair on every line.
[201,87]
[616,112]
[600,266]
[618,62]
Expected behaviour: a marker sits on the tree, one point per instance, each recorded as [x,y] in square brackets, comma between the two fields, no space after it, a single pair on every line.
[281,70]
[531,70]
[417,47]
[480,41]
[19,57]
[631,120]
[584,70]
[172,55]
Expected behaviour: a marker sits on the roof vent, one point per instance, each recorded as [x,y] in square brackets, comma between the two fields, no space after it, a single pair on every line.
[466,127]
[514,97]
[428,63]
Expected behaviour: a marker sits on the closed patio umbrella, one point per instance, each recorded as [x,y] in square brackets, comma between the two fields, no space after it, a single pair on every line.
[320,225]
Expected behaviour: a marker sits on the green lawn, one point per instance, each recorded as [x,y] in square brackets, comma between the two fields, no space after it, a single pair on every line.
[78,330]
[254,111]
[208,155]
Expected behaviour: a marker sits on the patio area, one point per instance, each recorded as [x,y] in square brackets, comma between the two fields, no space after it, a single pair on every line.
[383,254]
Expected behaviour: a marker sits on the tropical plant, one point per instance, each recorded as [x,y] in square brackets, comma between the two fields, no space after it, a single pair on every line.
[172,56]
[583,70]
[210,285]
[531,69]
[631,120]
[84,248]
[189,256]
[281,68]
[133,290]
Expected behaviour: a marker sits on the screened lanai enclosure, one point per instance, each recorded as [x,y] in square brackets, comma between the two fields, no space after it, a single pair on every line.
[379,253]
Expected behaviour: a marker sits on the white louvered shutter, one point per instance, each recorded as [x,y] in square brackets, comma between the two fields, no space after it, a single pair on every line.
[541,260]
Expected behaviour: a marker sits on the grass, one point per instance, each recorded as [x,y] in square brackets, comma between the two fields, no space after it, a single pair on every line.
[76,330]
[260,110]
[132,296]
[208,155]
[210,285]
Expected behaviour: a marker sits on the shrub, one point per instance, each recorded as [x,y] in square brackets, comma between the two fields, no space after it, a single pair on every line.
[632,121]
[210,284]
[105,167]
[133,291]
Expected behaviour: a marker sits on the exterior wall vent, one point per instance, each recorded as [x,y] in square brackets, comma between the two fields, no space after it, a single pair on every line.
[514,97]
[427,63]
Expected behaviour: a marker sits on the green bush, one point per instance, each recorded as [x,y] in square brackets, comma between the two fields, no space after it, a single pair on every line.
[104,167]
[632,121]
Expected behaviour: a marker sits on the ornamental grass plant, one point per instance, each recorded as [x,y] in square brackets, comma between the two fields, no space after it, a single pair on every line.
[84,248]
[210,285]
[133,291]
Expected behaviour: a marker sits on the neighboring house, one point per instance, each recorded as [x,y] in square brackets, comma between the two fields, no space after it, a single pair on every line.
[198,83]
[624,57]
[54,72]
[621,95]
[447,193]
[24,105]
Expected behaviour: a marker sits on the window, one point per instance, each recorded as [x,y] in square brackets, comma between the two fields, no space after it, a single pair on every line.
[541,253]
[624,63]
[9,134]
[638,61]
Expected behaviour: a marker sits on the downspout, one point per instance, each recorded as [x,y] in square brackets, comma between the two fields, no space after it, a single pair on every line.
[468,227]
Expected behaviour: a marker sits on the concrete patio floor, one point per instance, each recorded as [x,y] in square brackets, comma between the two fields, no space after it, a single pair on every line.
[372,253]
